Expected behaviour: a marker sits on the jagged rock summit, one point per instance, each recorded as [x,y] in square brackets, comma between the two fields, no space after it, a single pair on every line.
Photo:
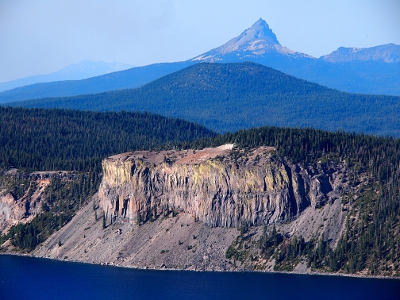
[256,41]
[259,30]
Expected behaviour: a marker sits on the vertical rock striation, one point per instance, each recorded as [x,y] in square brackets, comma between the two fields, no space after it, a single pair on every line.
[218,186]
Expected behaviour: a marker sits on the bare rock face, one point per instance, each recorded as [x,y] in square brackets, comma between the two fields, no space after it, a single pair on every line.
[15,210]
[219,186]
[7,207]
[12,210]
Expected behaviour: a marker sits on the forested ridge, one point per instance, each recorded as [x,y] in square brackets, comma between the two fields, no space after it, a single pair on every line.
[230,97]
[74,141]
[131,78]
[371,243]
[52,139]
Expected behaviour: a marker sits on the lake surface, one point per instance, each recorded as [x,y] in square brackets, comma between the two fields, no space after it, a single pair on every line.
[34,278]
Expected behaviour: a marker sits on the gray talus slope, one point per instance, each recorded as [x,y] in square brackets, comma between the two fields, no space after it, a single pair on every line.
[176,210]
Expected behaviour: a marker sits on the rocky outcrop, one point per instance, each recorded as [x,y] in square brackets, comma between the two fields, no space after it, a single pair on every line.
[15,210]
[186,203]
[220,187]
[9,210]
[22,209]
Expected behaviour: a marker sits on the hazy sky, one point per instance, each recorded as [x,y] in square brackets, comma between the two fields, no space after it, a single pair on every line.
[42,36]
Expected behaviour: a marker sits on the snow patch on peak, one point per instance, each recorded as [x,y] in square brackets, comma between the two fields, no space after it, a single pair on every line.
[284,50]
[261,31]
[208,58]
[256,41]
[389,53]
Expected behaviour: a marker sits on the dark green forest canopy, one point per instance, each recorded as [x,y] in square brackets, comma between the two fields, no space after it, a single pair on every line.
[230,97]
[57,139]
[54,139]
[371,241]
[378,155]
[51,139]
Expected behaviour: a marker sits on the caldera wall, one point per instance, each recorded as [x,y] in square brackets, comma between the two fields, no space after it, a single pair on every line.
[218,186]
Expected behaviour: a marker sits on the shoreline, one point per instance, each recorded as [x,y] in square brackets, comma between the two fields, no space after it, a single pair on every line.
[193,270]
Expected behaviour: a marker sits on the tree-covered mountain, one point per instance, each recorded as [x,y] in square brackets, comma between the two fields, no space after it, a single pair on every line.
[50,139]
[371,70]
[131,78]
[370,243]
[50,161]
[39,139]
[228,97]
[369,240]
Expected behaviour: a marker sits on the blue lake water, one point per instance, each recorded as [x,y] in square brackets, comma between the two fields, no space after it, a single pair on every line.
[34,278]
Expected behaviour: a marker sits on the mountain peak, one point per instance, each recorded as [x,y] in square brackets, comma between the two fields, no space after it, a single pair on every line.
[255,42]
[260,29]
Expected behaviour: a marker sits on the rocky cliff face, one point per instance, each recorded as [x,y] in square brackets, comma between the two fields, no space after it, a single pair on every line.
[220,187]
[15,209]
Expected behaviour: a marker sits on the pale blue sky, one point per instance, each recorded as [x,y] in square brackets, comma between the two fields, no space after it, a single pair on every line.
[42,36]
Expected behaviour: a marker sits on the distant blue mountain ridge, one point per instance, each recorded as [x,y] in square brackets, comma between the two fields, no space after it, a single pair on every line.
[374,70]
[82,70]
[227,97]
